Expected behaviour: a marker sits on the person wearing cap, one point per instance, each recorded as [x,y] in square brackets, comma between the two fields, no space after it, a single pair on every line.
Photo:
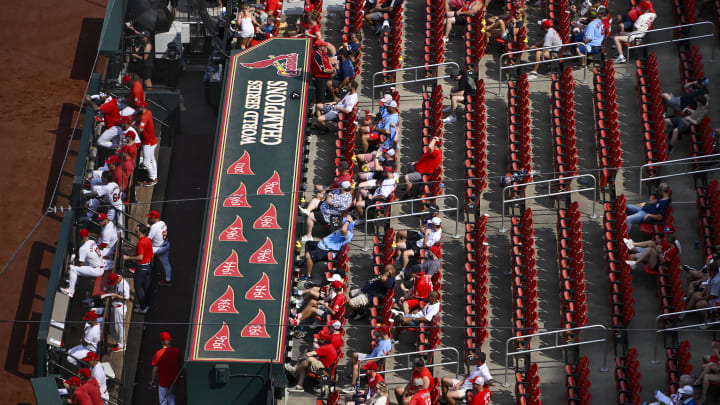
[454,390]
[321,70]
[143,261]
[119,294]
[329,111]
[89,263]
[332,335]
[109,192]
[681,125]
[428,162]
[331,304]
[683,396]
[149,142]
[91,386]
[160,245]
[318,251]
[142,58]
[626,21]
[389,120]
[457,94]
[640,27]
[420,380]
[413,316]
[649,211]
[653,253]
[137,93]
[321,358]
[120,174]
[382,348]
[107,241]
[336,203]
[551,39]
[593,36]
[374,379]
[409,243]
[364,200]
[91,337]
[374,163]
[131,137]
[316,292]
[692,89]
[98,373]
[78,393]
[166,369]
[110,111]
[377,286]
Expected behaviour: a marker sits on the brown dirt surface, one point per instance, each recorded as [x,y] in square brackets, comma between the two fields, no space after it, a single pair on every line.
[47,56]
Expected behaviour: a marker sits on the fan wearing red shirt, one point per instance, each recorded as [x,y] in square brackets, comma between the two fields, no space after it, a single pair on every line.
[137,93]
[332,335]
[110,137]
[415,298]
[481,395]
[143,259]
[272,7]
[332,304]
[419,372]
[149,142]
[428,162]
[166,367]
[322,357]
[321,70]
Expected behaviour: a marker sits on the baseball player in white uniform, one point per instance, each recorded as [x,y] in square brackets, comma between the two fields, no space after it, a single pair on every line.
[119,295]
[98,373]
[129,131]
[92,263]
[90,340]
[108,240]
[161,246]
[109,191]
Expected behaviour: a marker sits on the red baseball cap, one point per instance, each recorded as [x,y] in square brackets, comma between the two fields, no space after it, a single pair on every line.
[319,43]
[165,336]
[113,278]
[383,330]
[91,356]
[74,381]
[141,104]
[102,216]
[126,119]
[130,134]
[112,159]
[435,249]
[84,233]
[85,373]
[370,366]
[153,214]
[309,8]
[337,284]
[126,79]
[90,316]
[547,23]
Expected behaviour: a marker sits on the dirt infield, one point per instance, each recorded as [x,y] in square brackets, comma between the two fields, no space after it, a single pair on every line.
[48,52]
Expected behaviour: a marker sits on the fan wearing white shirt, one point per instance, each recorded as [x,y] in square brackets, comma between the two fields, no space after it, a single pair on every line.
[410,243]
[413,319]
[454,390]
[364,200]
[161,246]
[329,112]
[641,26]
[92,263]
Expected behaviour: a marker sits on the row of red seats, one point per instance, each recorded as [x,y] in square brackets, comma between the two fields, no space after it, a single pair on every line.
[619,278]
[677,364]
[353,18]
[391,41]
[475,146]
[607,128]
[434,48]
[524,277]
[684,12]
[476,288]
[432,115]
[577,382]
[519,124]
[562,97]
[527,386]
[557,10]
[572,269]
[475,38]
[691,66]
[346,138]
[516,42]
[708,213]
[627,378]
[651,110]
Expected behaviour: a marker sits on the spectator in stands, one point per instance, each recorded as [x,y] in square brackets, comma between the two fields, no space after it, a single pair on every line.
[696,277]
[332,335]
[455,390]
[506,26]
[377,14]
[364,200]
[119,295]
[421,395]
[89,263]
[149,142]
[321,191]
[143,263]
[681,125]
[321,358]
[107,241]
[419,371]
[137,93]
[330,111]
[375,162]
[625,22]
[640,27]
[98,373]
[410,243]
[551,39]
[428,162]
[376,384]
[684,396]
[160,245]
[91,337]
[331,305]
[708,296]
[248,26]
[694,89]
[321,70]
[354,43]
[382,348]
[166,369]
[457,94]
[377,286]
[316,292]
[345,73]
[416,314]
[430,266]
[335,204]
[318,251]
[268,27]
[593,36]
[711,365]
[652,253]
[389,120]
[464,15]
[481,394]
[91,386]
[653,210]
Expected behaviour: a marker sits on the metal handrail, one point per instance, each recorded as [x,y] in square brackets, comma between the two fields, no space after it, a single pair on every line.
[502,58]
[670,314]
[674,27]
[413,213]
[116,225]
[556,346]
[416,68]
[549,194]
[683,162]
[408,354]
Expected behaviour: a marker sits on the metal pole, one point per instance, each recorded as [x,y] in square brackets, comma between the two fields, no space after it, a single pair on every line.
[415,68]
[670,314]
[408,354]
[672,163]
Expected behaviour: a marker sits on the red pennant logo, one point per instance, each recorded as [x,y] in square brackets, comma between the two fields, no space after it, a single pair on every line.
[264,255]
[225,304]
[261,290]
[271,187]
[238,199]
[268,220]
[256,327]
[220,342]
[241,166]
[234,232]
[229,268]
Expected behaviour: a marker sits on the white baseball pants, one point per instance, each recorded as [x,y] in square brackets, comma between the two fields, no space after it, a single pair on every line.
[83,271]
[149,160]
[110,137]
[118,323]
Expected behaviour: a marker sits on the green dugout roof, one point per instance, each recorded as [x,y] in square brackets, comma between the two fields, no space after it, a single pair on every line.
[243,286]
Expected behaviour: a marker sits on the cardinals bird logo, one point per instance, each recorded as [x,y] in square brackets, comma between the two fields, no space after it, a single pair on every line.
[286,65]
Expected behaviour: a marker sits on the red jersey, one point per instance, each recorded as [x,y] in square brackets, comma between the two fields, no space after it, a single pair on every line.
[429,161]
[272,7]
[92,388]
[320,62]
[144,247]
[482,397]
[336,340]
[81,397]
[167,360]
[424,373]
[421,397]
[148,133]
[136,93]
[327,355]
[121,176]
[422,287]
[129,164]
[111,113]
[314,30]
[338,302]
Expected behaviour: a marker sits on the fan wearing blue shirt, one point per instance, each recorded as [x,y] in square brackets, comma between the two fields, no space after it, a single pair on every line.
[318,251]
[345,73]
[382,349]
[594,35]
